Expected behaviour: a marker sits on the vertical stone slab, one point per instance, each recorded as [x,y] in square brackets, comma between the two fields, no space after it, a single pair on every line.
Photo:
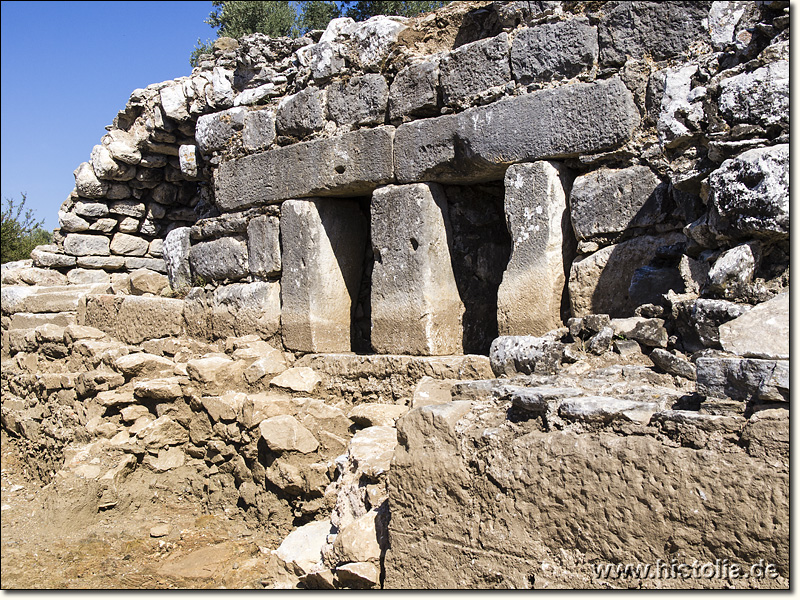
[322,254]
[530,295]
[176,256]
[416,308]
[264,246]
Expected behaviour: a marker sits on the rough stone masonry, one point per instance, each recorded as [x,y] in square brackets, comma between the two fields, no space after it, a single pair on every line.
[592,198]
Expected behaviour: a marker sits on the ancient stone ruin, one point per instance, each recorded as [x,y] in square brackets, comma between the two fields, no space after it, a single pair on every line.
[483,298]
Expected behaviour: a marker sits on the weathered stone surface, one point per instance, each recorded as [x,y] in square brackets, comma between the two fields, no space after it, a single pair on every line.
[227,407]
[767,434]
[46,299]
[297,379]
[707,315]
[78,244]
[215,131]
[129,245]
[211,368]
[87,184]
[604,409]
[284,433]
[266,365]
[259,130]
[143,364]
[216,260]
[255,95]
[128,208]
[733,270]
[650,332]
[529,297]
[415,91]
[372,449]
[352,164]
[416,307]
[722,20]
[301,550]
[325,59]
[302,113]
[474,67]
[264,246]
[478,144]
[153,264]
[145,281]
[526,354]
[43,258]
[22,320]
[105,167]
[758,98]
[656,29]
[749,195]
[541,478]
[84,276]
[358,541]
[372,40]
[92,210]
[142,318]
[358,575]
[599,282]
[613,200]
[245,308]
[189,160]
[173,101]
[323,252]
[649,285]
[680,113]
[70,222]
[164,431]
[561,49]
[176,257]
[762,332]
[360,100]
[743,379]
[675,365]
[167,389]
[380,415]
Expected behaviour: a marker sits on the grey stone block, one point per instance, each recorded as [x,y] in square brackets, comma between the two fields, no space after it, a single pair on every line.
[302,113]
[359,100]
[525,354]
[743,379]
[259,130]
[762,332]
[479,144]
[352,164]
[264,246]
[658,29]
[415,91]
[760,97]
[613,200]
[529,297]
[323,251]
[77,244]
[475,67]
[176,257]
[216,260]
[562,49]
[415,304]
[215,131]
[749,195]
[246,308]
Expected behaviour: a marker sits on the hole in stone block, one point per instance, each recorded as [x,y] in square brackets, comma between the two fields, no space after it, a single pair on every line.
[414,244]
[480,247]
[340,169]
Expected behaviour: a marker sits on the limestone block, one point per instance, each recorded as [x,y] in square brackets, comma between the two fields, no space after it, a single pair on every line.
[323,250]
[301,550]
[32,320]
[222,87]
[38,276]
[46,299]
[246,308]
[92,210]
[358,541]
[743,379]
[105,167]
[605,409]
[360,100]
[264,246]
[379,415]
[153,264]
[358,575]
[657,29]
[673,364]
[211,368]
[145,281]
[68,221]
[259,130]
[215,131]
[79,244]
[678,117]
[109,263]
[762,332]
[43,258]
[130,245]
[284,433]
[599,282]
[225,258]
[474,67]
[478,144]
[613,200]
[561,49]
[372,40]
[142,364]
[173,101]
[255,95]
[189,160]
[722,20]
[227,407]
[176,256]
[759,98]
[302,113]
[416,307]
[525,354]
[648,332]
[749,195]
[142,318]
[415,91]
[87,184]
[325,59]
[353,164]
[128,208]
[529,297]
[297,379]
[371,450]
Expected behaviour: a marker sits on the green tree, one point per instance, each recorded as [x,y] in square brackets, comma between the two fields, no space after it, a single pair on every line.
[19,231]
[235,18]
[362,10]
[317,15]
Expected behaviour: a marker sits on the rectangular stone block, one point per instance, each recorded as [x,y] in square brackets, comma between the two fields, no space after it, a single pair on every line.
[530,296]
[474,67]
[323,251]
[352,164]
[479,144]
[359,100]
[246,308]
[743,379]
[415,91]
[142,318]
[47,299]
[33,320]
[79,244]
[216,260]
[415,303]
[264,246]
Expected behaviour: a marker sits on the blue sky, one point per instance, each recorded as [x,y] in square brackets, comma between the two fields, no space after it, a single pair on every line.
[67,69]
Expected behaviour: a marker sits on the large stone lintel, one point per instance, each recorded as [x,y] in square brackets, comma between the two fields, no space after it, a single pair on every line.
[352,164]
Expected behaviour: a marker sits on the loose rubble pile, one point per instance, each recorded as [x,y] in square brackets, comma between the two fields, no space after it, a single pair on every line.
[562,228]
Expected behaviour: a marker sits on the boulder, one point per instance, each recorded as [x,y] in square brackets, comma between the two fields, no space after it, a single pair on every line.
[176,257]
[372,449]
[415,303]
[760,97]
[380,415]
[284,433]
[79,244]
[259,129]
[301,550]
[215,131]
[165,390]
[302,113]
[246,308]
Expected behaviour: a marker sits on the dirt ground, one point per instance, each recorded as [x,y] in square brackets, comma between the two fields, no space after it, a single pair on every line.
[117,549]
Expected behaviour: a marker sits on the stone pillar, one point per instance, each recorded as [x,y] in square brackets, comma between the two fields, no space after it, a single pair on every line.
[176,256]
[416,307]
[530,295]
[322,254]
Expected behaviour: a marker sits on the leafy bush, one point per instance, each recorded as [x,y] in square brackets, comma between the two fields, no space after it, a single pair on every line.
[20,232]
